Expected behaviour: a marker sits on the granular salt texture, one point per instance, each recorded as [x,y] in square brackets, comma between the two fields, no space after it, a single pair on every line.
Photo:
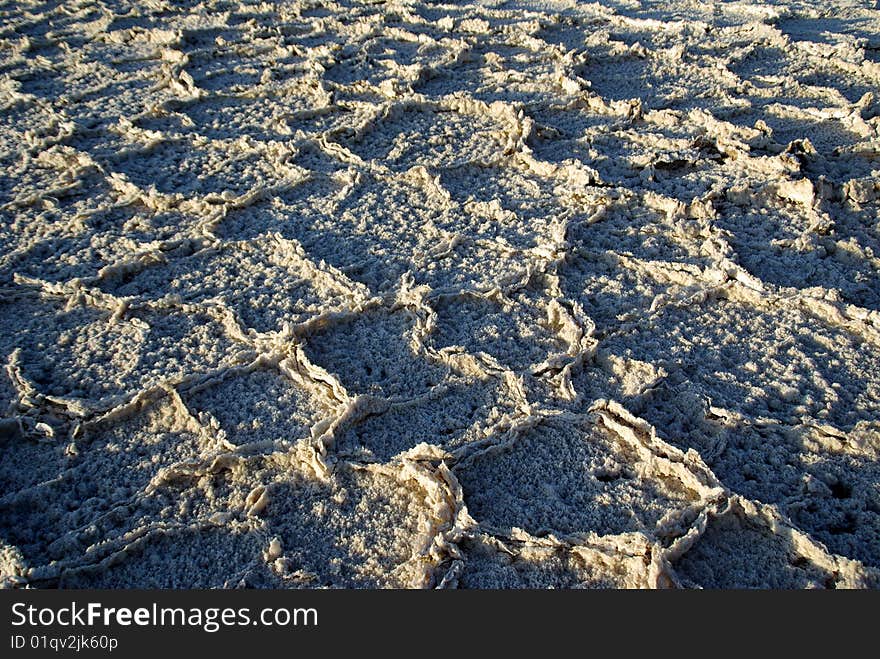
[463,264]
[684,413]
[265,283]
[8,396]
[363,529]
[110,467]
[490,564]
[73,352]
[514,330]
[84,353]
[567,478]
[493,70]
[291,212]
[57,173]
[103,238]
[262,407]
[433,136]
[29,459]
[609,291]
[179,558]
[377,58]
[372,353]
[193,168]
[460,412]
[738,552]
[619,378]
[666,156]
[221,117]
[821,72]
[314,155]
[504,204]
[12,567]
[181,344]
[468,76]
[367,228]
[118,85]
[764,362]
[561,134]
[20,117]
[848,521]
[227,68]
[388,241]
[381,230]
[619,71]
[855,219]
[43,198]
[628,225]
[823,479]
[784,245]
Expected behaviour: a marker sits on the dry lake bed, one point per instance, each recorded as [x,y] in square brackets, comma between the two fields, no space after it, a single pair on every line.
[410,294]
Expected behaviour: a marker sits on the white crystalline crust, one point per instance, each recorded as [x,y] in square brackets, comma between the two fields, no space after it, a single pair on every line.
[410,294]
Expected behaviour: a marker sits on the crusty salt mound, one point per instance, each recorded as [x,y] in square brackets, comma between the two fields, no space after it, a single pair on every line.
[407,294]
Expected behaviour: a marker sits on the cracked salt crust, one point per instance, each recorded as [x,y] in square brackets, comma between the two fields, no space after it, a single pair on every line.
[436,295]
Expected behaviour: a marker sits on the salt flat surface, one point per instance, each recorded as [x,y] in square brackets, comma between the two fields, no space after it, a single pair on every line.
[412,294]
